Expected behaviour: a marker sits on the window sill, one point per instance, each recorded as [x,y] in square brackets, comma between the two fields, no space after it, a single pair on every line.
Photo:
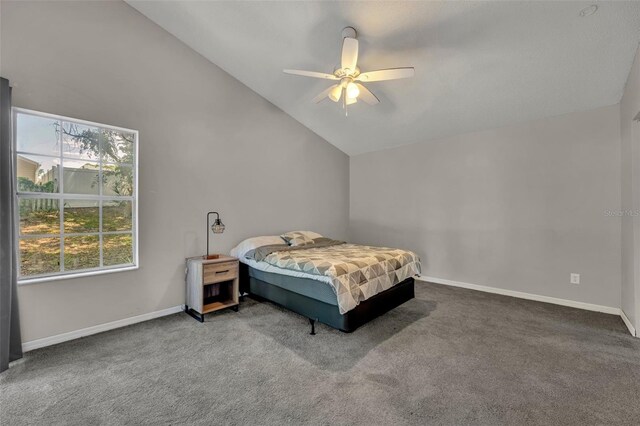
[80,274]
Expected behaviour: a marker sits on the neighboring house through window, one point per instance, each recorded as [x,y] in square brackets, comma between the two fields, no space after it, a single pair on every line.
[77,196]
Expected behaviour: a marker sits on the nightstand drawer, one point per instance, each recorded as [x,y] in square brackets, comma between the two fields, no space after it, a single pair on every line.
[218,272]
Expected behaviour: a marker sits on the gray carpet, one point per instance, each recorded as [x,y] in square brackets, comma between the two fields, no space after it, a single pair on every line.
[450,356]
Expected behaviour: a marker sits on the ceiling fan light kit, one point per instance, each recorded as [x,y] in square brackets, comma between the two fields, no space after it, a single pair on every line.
[334,94]
[349,87]
[352,90]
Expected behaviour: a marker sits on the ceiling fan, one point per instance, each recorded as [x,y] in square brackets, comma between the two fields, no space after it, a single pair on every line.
[349,87]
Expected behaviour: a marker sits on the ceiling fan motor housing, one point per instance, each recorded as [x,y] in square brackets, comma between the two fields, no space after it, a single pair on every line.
[342,74]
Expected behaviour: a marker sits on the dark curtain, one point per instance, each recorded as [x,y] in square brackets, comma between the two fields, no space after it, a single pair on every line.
[10,341]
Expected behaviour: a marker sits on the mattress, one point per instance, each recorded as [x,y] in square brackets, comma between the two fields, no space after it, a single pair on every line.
[263,266]
[309,287]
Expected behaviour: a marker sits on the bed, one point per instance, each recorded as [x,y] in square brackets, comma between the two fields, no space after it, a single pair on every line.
[338,284]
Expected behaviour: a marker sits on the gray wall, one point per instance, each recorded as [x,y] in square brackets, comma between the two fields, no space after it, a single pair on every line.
[517,208]
[206,142]
[630,135]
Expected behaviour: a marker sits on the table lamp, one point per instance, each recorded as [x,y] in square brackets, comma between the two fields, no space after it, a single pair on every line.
[216,228]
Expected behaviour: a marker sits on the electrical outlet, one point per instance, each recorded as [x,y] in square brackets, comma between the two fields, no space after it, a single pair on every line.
[574,278]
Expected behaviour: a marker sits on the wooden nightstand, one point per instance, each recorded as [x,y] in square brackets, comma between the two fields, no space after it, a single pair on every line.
[211,285]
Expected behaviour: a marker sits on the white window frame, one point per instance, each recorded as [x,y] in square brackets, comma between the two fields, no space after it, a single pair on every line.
[60,195]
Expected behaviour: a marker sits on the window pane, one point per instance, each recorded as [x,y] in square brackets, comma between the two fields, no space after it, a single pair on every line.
[117,147]
[39,216]
[81,252]
[75,166]
[81,177]
[116,216]
[117,180]
[37,134]
[80,141]
[81,216]
[39,256]
[37,174]
[117,249]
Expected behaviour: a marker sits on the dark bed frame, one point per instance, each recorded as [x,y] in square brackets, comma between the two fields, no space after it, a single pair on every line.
[325,313]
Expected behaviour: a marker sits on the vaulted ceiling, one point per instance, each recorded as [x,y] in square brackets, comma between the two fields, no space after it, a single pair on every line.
[478,65]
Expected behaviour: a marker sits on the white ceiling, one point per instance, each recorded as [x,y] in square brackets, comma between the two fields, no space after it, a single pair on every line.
[478,65]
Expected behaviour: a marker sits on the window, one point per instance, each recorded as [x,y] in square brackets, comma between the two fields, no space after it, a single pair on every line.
[77,196]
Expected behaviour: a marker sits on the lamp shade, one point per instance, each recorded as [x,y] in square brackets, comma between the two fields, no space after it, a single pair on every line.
[335,93]
[217,227]
[352,90]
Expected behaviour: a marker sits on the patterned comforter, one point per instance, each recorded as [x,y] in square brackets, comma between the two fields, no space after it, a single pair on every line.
[356,272]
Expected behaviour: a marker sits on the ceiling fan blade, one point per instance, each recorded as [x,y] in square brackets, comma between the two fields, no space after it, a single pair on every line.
[324,93]
[367,96]
[313,74]
[349,53]
[388,74]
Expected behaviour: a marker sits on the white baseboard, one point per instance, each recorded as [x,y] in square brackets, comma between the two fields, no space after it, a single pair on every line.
[64,337]
[627,322]
[71,335]
[535,297]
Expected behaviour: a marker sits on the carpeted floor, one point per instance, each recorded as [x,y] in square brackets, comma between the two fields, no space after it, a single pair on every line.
[450,356]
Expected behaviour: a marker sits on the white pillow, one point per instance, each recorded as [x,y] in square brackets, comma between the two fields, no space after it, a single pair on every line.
[252,243]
